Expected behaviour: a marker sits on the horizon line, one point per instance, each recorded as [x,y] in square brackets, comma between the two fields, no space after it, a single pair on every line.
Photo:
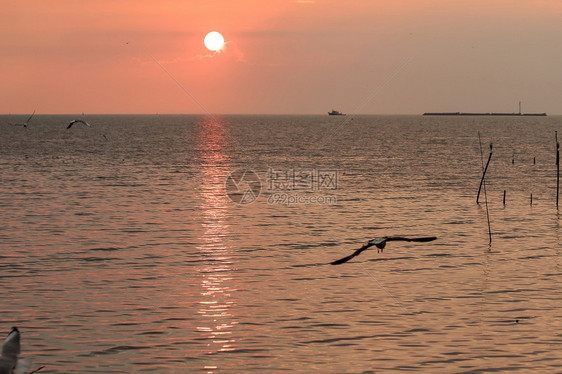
[227,114]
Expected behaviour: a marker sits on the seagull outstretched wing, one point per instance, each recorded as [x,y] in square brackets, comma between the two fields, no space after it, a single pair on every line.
[10,361]
[380,243]
[77,120]
[24,124]
[401,238]
[11,347]
[10,352]
[356,253]
[30,117]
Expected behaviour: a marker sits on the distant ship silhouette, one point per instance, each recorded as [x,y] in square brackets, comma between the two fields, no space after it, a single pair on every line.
[335,113]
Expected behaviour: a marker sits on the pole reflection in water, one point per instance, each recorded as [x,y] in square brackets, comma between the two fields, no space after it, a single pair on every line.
[217,301]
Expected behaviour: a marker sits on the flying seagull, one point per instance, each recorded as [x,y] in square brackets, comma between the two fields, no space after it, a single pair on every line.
[380,243]
[10,352]
[24,124]
[10,362]
[77,120]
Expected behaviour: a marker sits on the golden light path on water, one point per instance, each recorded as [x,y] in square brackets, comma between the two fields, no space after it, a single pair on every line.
[217,303]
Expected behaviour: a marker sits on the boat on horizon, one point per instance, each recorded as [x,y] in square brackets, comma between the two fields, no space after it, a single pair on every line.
[335,113]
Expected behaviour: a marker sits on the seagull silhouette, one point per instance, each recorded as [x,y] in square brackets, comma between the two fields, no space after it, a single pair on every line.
[380,243]
[24,124]
[10,352]
[10,362]
[77,120]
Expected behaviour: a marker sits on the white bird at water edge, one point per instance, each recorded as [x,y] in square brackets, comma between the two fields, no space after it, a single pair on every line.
[380,243]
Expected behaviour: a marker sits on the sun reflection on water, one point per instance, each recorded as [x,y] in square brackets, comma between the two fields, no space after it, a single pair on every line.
[216,305]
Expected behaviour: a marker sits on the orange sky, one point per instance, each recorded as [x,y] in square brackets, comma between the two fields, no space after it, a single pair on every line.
[67,56]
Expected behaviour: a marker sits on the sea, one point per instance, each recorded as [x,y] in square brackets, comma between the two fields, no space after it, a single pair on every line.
[203,243]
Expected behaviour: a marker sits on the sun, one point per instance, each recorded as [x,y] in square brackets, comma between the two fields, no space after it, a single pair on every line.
[214,41]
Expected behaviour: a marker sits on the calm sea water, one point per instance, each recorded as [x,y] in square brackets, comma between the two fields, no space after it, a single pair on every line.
[125,247]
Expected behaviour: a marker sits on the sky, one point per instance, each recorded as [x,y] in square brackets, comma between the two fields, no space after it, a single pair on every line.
[280,56]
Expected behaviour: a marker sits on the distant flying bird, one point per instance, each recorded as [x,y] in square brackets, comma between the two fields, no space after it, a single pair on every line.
[10,362]
[24,124]
[77,120]
[380,243]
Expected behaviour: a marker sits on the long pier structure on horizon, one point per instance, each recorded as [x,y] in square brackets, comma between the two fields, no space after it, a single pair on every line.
[483,113]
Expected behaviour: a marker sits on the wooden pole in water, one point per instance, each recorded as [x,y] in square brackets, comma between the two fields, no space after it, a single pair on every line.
[557,167]
[483,182]
[484,174]
[503,197]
